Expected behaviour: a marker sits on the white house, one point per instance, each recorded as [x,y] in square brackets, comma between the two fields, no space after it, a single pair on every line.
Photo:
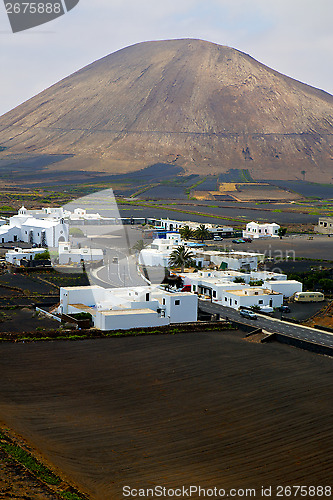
[230,275]
[69,255]
[255,230]
[175,225]
[9,233]
[264,276]
[15,256]
[286,287]
[325,225]
[80,216]
[222,289]
[124,308]
[252,296]
[228,260]
[158,252]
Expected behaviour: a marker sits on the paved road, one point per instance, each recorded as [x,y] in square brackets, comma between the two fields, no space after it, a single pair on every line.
[123,273]
[271,324]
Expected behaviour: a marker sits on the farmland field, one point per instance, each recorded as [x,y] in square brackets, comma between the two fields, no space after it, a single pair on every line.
[207,409]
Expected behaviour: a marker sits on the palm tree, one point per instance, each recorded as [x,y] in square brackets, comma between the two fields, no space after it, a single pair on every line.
[181,257]
[139,245]
[186,232]
[202,233]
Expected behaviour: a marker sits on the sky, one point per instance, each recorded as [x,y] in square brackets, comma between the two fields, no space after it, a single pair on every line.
[294,37]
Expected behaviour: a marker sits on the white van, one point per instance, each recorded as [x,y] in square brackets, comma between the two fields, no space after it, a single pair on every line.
[309,297]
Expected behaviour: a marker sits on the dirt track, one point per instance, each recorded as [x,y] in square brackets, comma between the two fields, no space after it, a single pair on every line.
[208,409]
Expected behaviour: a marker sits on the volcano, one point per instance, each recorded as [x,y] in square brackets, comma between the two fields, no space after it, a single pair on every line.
[201,106]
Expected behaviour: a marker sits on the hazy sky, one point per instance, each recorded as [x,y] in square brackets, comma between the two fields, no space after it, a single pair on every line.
[294,37]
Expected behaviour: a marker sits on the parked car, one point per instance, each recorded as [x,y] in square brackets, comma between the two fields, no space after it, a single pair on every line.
[115,260]
[247,240]
[248,314]
[285,309]
[218,238]
[238,240]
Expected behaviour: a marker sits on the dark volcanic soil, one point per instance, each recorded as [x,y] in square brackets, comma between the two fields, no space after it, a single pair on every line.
[207,409]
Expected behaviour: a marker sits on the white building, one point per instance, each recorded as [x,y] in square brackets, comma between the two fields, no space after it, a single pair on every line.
[80,216]
[222,289]
[230,275]
[252,296]
[255,230]
[286,287]
[325,225]
[125,308]
[69,255]
[24,227]
[158,252]
[49,213]
[15,256]
[175,225]
[228,260]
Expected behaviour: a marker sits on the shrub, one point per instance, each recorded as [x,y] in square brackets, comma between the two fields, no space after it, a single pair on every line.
[42,256]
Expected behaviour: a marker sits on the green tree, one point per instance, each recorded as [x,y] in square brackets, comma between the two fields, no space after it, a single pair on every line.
[42,256]
[282,232]
[202,233]
[256,283]
[181,257]
[239,280]
[186,232]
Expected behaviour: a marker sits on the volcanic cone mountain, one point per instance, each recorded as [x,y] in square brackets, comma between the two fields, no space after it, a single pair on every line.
[202,106]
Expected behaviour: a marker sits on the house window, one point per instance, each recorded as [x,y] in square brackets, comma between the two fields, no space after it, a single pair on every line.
[226,299]
[214,293]
[260,302]
[163,302]
[194,288]
[177,302]
[147,297]
[236,302]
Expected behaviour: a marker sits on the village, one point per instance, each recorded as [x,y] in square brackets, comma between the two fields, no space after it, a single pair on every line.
[164,278]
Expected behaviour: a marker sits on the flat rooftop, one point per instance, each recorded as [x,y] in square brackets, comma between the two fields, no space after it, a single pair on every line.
[127,312]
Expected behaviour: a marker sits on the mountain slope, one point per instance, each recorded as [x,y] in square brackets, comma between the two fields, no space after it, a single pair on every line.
[206,107]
